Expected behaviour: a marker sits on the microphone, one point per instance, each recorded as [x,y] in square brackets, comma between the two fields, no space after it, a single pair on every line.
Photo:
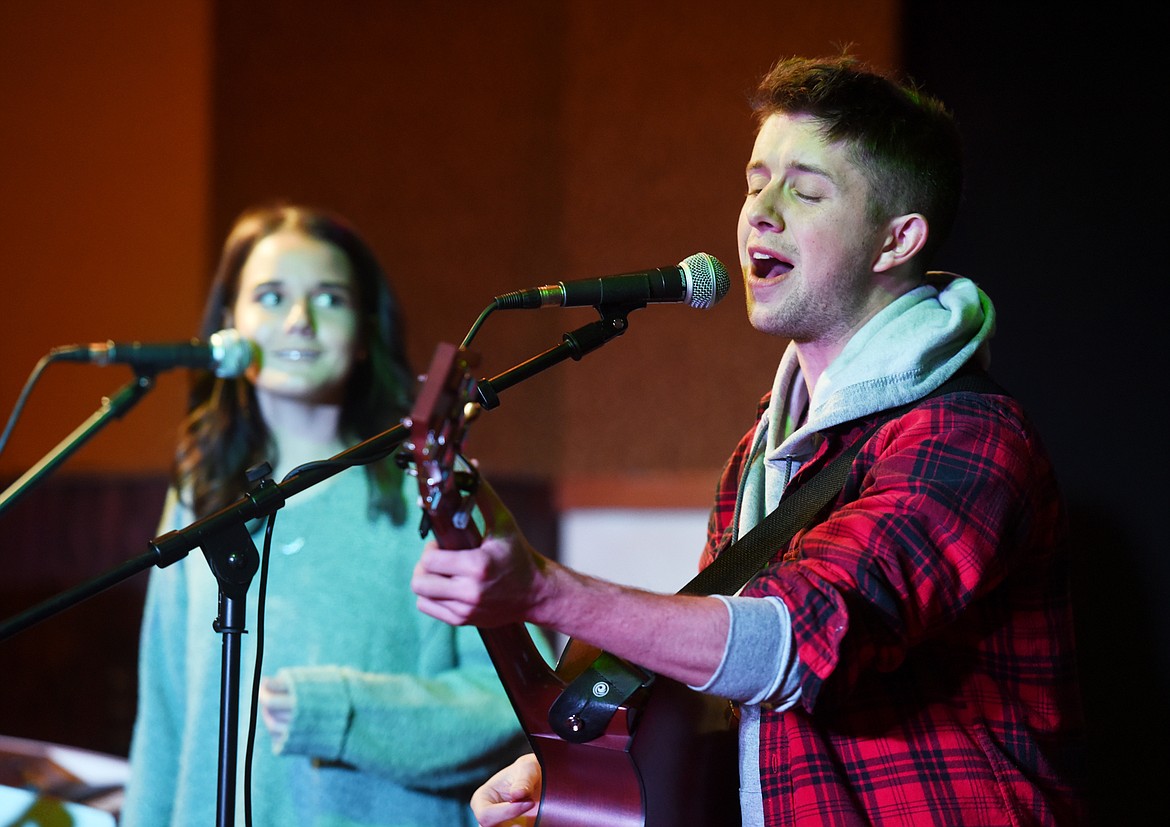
[699,280]
[225,352]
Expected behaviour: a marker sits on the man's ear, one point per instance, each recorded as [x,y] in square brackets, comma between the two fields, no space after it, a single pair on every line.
[905,237]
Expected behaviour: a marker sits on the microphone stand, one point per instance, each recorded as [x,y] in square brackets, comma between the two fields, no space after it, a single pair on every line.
[113,407]
[232,555]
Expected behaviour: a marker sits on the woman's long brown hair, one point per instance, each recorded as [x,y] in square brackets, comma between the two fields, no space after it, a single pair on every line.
[224,434]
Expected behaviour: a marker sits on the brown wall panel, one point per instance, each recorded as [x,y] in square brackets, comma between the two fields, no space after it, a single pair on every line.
[103,211]
[489,147]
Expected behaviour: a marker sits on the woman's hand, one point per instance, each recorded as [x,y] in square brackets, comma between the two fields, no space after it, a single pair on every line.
[276,706]
[511,797]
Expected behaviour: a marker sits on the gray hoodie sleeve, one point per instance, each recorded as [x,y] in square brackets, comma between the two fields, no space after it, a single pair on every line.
[759,662]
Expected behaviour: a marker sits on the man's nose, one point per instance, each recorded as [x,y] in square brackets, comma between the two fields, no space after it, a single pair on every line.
[763,213]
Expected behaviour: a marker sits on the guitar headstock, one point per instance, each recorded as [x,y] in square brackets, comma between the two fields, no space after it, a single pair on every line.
[437,424]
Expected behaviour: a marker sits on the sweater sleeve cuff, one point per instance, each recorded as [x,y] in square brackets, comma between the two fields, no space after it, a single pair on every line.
[759,662]
[321,712]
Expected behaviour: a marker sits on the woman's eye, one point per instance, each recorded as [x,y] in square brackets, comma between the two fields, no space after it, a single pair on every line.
[268,298]
[327,300]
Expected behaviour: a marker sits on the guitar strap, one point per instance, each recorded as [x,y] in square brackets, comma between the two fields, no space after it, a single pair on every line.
[584,708]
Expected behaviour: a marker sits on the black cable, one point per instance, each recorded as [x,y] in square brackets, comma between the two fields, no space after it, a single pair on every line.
[478,323]
[261,591]
[23,398]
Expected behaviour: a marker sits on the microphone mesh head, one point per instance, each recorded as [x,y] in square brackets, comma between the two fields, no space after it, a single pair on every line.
[707,280]
[230,352]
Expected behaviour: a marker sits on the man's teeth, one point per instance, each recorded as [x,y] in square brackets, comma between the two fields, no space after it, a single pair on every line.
[766,266]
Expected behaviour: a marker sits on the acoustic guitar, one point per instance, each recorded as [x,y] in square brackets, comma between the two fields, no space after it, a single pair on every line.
[617,746]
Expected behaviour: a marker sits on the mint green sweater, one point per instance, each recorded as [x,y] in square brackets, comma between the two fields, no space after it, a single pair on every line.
[397,716]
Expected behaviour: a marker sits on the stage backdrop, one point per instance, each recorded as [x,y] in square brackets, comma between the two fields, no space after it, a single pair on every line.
[489,147]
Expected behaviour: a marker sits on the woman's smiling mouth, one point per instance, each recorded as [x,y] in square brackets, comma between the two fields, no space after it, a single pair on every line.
[297,354]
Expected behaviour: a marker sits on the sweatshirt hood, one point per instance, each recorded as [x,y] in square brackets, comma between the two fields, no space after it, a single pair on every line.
[907,350]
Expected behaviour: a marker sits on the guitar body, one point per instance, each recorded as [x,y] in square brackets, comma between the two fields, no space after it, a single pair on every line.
[667,758]
[678,767]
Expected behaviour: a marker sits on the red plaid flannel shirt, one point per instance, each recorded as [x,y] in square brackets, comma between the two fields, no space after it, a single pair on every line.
[931,612]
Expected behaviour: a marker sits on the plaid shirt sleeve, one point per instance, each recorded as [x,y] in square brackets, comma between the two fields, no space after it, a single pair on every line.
[932,620]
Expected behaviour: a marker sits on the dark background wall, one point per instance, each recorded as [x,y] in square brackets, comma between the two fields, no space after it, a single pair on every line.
[486,148]
[1064,211]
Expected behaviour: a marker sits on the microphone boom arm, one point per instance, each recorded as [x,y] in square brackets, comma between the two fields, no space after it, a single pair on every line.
[574,344]
[114,407]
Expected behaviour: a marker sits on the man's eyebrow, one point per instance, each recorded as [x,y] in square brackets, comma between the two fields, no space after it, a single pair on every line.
[812,169]
[796,166]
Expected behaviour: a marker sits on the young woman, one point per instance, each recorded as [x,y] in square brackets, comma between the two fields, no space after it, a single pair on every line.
[373,713]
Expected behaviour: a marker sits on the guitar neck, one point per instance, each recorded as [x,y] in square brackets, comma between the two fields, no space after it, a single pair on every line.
[531,684]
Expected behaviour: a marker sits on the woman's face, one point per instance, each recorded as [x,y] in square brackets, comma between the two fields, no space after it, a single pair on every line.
[297,303]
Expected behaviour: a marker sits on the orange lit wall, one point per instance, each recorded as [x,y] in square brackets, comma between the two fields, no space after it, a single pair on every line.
[482,148]
[104,181]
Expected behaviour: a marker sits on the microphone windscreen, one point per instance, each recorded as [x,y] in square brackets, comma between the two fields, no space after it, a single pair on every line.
[707,280]
[230,352]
